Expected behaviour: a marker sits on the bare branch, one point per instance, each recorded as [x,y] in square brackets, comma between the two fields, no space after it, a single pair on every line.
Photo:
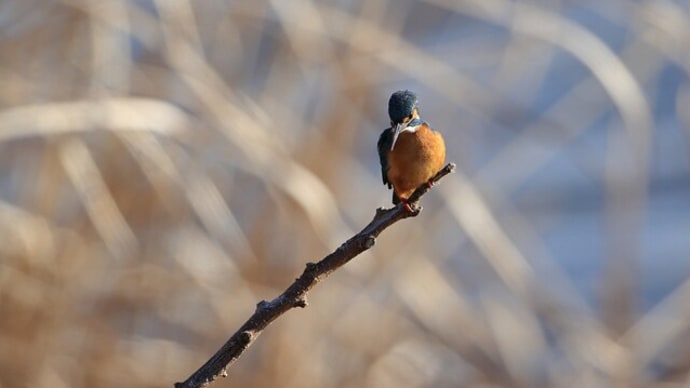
[296,294]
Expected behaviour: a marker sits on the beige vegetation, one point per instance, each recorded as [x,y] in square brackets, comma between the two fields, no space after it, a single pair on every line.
[166,164]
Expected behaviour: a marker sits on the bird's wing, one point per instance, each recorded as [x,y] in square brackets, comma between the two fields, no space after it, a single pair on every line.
[384,145]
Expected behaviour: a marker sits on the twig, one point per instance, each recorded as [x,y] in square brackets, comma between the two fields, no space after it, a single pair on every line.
[296,294]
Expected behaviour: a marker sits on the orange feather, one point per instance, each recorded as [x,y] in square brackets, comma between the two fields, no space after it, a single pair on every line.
[416,158]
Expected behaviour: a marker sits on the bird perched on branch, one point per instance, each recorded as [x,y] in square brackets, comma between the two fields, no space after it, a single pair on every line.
[411,153]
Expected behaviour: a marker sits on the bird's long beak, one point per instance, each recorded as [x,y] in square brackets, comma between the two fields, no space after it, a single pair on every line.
[397,130]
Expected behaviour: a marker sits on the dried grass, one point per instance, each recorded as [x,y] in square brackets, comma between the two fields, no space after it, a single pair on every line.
[164,165]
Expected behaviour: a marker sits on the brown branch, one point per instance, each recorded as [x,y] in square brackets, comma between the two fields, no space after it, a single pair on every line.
[296,294]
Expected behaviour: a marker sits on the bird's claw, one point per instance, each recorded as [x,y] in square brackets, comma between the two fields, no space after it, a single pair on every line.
[406,205]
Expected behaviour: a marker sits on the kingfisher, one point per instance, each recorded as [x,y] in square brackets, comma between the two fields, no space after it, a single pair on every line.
[410,152]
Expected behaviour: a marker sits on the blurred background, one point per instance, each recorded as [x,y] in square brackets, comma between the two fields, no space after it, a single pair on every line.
[166,164]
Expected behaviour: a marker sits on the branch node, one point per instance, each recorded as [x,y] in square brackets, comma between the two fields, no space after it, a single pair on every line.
[311,268]
[368,242]
[244,338]
[416,209]
[263,305]
[413,210]
[301,302]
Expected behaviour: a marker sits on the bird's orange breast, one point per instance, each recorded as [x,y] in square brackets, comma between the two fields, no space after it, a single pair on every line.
[416,158]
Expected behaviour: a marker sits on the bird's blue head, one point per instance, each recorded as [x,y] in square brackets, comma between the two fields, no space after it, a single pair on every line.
[401,105]
[402,109]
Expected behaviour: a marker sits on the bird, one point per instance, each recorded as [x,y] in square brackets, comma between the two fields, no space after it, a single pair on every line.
[410,152]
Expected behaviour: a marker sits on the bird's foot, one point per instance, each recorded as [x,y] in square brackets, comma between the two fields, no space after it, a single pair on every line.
[429,184]
[406,205]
